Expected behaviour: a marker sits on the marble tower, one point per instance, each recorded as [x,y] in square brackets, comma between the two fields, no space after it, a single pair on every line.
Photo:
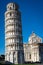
[13,35]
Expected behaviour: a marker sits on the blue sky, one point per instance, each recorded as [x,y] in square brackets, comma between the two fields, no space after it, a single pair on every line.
[31,15]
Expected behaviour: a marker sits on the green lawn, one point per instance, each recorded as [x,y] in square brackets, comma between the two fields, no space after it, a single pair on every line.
[17,64]
[24,64]
[3,63]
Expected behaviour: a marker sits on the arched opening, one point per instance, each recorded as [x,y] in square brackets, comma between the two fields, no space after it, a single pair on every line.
[30,56]
[14,57]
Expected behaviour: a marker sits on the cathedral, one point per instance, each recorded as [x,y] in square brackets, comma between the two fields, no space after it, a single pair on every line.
[33,50]
[16,51]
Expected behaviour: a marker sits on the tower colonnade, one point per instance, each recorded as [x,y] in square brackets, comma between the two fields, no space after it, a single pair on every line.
[13,34]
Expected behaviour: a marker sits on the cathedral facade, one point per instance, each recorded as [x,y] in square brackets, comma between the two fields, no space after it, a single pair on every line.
[15,51]
[33,50]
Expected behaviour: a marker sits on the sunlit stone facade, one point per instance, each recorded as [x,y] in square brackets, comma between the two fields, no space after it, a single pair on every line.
[15,51]
[33,50]
[13,34]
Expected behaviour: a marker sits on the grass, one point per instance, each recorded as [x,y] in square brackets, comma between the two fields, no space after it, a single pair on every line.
[24,64]
[4,63]
[17,64]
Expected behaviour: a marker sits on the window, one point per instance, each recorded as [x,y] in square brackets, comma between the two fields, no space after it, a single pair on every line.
[30,56]
[10,14]
[10,8]
[13,5]
[17,13]
[13,33]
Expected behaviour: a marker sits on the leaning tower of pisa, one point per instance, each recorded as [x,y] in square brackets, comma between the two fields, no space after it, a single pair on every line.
[13,35]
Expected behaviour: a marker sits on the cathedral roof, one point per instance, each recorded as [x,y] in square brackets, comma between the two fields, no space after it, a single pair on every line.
[34,38]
